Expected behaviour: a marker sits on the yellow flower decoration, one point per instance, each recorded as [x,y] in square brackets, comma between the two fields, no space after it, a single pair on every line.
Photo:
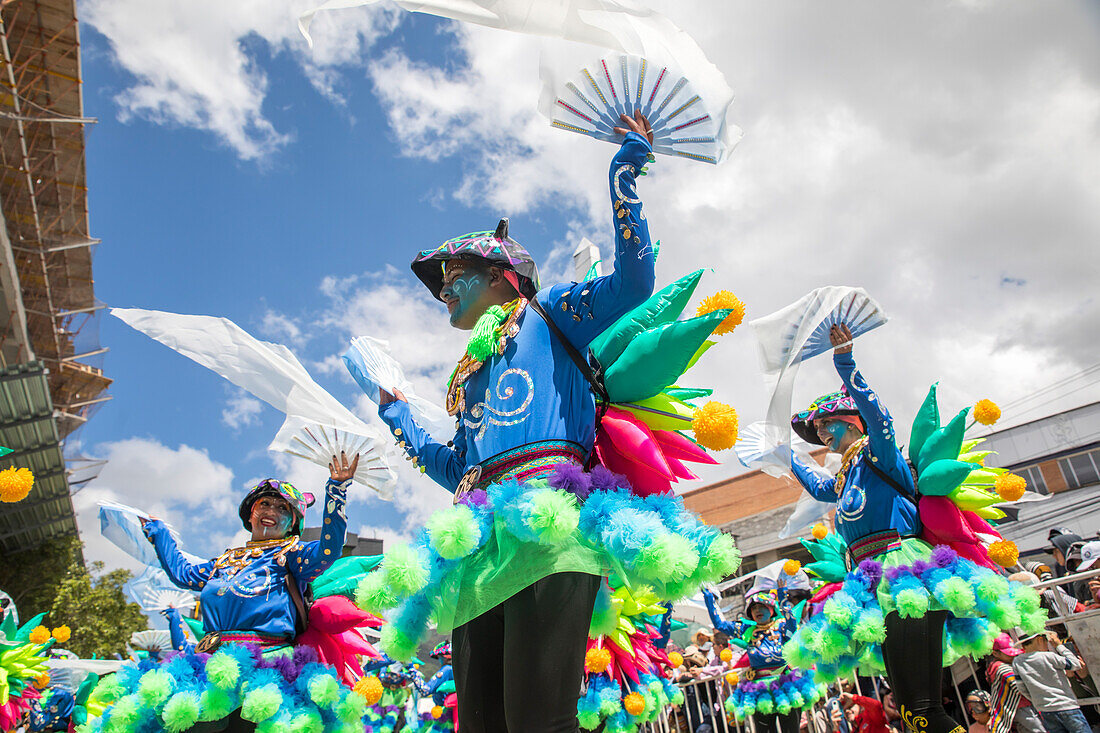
[596,660]
[634,704]
[986,412]
[42,681]
[40,635]
[369,688]
[726,656]
[820,531]
[1010,487]
[723,300]
[715,426]
[437,712]
[791,567]
[62,634]
[15,484]
[1004,553]
[675,659]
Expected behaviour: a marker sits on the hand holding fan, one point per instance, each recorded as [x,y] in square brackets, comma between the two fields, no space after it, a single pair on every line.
[684,123]
[752,447]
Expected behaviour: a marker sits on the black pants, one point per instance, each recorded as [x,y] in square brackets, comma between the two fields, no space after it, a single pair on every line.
[232,724]
[777,722]
[913,653]
[519,667]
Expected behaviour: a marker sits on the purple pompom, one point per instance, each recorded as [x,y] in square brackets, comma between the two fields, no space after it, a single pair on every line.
[286,667]
[572,478]
[604,480]
[944,556]
[920,566]
[872,570]
[892,574]
[304,655]
[475,498]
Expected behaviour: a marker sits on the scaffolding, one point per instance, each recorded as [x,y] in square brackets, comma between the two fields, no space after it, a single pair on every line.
[44,199]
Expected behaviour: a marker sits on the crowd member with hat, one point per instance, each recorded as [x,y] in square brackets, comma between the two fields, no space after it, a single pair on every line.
[977,704]
[1041,678]
[902,595]
[1008,709]
[1090,557]
[1062,540]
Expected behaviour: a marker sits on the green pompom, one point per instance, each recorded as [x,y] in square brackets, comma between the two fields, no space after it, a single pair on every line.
[668,556]
[610,707]
[352,707]
[783,708]
[108,689]
[454,532]
[275,724]
[155,687]
[796,653]
[553,516]
[957,595]
[870,627]
[373,594]
[324,690]
[765,706]
[720,559]
[1035,622]
[124,715]
[833,644]
[589,720]
[1026,599]
[223,670]
[991,587]
[397,644]
[912,603]
[260,704]
[405,570]
[215,704]
[307,722]
[1005,614]
[839,613]
[181,712]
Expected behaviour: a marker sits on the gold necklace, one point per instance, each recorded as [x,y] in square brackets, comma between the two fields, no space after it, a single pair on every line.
[240,557]
[847,461]
[468,365]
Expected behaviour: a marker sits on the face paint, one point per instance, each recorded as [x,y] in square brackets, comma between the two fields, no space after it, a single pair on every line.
[838,430]
[464,291]
[270,518]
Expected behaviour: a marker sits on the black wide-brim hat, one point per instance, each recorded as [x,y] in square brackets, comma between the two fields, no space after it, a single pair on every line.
[833,404]
[495,248]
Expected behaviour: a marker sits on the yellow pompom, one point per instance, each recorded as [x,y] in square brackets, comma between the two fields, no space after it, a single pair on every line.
[15,484]
[596,660]
[820,531]
[732,678]
[791,567]
[1010,487]
[634,704]
[1004,553]
[715,426]
[62,634]
[986,412]
[723,300]
[369,688]
[437,711]
[40,635]
[675,659]
[726,656]
[42,681]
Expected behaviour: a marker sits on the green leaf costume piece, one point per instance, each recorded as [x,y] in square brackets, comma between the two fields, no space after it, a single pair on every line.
[663,306]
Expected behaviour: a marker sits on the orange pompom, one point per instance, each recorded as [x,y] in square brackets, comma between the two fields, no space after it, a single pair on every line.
[820,531]
[437,711]
[42,681]
[62,634]
[40,635]
[1004,553]
[726,656]
[1010,487]
[723,300]
[369,688]
[791,567]
[986,412]
[596,660]
[675,659]
[15,484]
[732,678]
[715,426]
[634,704]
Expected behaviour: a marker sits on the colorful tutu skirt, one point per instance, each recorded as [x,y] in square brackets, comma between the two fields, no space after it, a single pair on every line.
[543,516]
[774,693]
[603,703]
[912,578]
[287,691]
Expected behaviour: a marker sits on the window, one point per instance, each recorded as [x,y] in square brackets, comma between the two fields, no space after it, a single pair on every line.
[1081,469]
[1034,478]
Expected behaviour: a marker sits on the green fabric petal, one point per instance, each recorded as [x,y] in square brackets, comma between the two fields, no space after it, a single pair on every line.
[942,477]
[943,443]
[925,423]
[688,393]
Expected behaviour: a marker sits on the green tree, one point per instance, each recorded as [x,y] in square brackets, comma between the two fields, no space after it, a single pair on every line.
[93,605]
[31,577]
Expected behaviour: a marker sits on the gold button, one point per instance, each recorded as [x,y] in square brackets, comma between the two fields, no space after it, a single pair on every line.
[397,431]
[328,551]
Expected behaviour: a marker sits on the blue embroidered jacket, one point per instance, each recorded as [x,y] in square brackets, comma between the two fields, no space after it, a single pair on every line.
[765,647]
[868,504]
[534,392]
[246,588]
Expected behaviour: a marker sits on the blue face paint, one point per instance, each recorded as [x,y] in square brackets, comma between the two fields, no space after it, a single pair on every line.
[466,289]
[838,430]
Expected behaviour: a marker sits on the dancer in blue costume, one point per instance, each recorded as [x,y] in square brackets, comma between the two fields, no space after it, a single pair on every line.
[244,674]
[769,690]
[512,571]
[901,592]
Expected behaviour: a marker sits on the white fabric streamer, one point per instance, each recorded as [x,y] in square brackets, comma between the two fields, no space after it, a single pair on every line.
[782,338]
[121,524]
[809,511]
[273,374]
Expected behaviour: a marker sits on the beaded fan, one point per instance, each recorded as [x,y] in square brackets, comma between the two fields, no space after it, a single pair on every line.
[858,311]
[318,444]
[151,640]
[159,599]
[752,448]
[590,104]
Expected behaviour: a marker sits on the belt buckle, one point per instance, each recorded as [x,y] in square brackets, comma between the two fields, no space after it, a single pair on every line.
[467,484]
[209,643]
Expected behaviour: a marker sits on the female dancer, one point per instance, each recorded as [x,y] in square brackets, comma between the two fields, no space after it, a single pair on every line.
[900,591]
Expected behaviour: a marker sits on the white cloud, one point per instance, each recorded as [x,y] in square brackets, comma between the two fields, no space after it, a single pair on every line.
[241,411]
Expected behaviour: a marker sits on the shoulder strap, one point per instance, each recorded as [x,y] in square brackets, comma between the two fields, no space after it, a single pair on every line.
[891,482]
[296,596]
[594,377]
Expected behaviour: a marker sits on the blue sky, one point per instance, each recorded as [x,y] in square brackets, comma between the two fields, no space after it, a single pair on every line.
[949,169]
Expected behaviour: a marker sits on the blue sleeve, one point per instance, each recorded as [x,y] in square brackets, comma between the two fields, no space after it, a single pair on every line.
[179,571]
[880,426]
[310,559]
[176,630]
[819,488]
[665,632]
[584,310]
[444,464]
[734,630]
[377,664]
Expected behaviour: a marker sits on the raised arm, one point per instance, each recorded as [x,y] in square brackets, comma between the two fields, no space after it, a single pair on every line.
[733,630]
[444,464]
[310,559]
[179,570]
[584,310]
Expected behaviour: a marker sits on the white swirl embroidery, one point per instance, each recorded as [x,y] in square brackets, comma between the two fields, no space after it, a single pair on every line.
[618,187]
[482,415]
[852,503]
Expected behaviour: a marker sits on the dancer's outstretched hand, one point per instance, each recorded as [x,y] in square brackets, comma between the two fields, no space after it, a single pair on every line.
[638,123]
[841,339]
[385,398]
[339,468]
